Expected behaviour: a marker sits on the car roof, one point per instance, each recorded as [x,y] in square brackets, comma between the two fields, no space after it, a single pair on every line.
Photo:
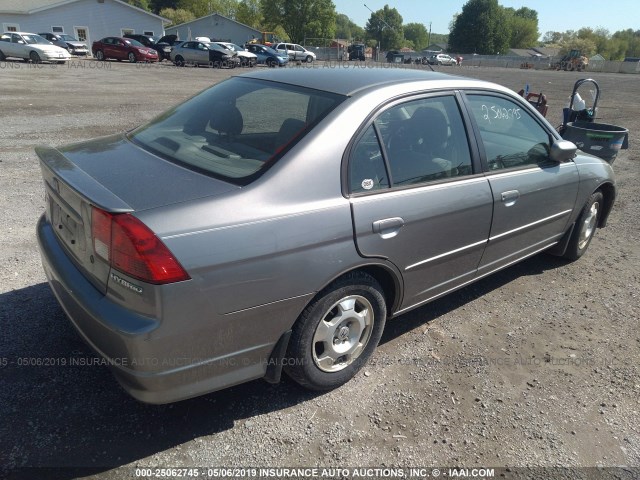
[348,81]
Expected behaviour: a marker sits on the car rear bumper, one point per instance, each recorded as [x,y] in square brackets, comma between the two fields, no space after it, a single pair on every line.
[125,339]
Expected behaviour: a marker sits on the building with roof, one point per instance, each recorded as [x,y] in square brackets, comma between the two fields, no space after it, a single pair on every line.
[87,20]
[216,27]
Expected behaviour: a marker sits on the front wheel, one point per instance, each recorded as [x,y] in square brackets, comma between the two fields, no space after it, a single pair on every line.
[271,63]
[337,333]
[179,61]
[585,227]
[35,58]
[131,57]
[309,59]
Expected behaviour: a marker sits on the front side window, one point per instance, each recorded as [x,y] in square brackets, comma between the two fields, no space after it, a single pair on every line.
[510,135]
[237,128]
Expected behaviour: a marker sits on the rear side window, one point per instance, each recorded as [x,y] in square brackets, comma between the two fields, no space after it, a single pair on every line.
[422,140]
[510,135]
[237,128]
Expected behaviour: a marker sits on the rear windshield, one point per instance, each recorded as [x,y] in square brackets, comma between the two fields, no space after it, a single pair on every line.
[236,129]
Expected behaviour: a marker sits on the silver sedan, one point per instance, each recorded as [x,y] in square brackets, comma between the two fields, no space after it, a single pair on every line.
[275,221]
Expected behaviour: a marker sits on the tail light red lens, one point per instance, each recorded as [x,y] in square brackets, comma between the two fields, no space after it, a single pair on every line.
[129,246]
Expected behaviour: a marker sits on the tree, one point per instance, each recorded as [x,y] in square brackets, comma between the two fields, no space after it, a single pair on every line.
[482,27]
[201,8]
[418,34]
[523,24]
[301,19]
[177,16]
[551,38]
[347,29]
[385,26]
[585,45]
[249,13]
[143,4]
[630,40]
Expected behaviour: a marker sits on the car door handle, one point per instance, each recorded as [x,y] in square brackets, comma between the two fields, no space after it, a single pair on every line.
[510,198]
[388,227]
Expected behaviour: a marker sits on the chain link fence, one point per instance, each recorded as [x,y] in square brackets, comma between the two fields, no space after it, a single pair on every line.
[326,49]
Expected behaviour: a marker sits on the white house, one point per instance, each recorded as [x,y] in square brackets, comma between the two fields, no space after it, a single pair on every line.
[87,20]
[216,27]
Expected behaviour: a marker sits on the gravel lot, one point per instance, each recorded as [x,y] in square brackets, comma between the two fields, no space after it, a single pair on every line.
[534,366]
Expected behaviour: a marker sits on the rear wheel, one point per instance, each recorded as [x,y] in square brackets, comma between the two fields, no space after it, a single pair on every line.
[35,58]
[337,333]
[585,227]
[132,57]
[100,55]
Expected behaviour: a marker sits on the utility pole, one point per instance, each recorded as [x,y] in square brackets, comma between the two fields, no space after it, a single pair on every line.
[429,41]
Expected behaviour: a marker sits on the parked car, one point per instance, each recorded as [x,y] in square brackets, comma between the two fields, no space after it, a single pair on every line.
[68,42]
[247,59]
[29,46]
[123,49]
[267,55]
[295,52]
[166,44]
[230,237]
[442,59]
[202,53]
[150,41]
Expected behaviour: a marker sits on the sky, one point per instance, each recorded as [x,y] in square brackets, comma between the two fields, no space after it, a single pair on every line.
[553,15]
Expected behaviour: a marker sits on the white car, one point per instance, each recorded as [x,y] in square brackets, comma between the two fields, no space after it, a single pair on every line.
[30,46]
[247,59]
[295,52]
[442,59]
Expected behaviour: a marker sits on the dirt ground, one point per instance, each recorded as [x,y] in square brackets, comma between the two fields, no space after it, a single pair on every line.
[534,366]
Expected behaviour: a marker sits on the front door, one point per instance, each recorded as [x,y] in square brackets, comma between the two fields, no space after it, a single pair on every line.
[417,198]
[533,196]
[82,34]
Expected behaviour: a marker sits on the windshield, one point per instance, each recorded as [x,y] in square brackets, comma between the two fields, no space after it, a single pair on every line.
[215,46]
[68,38]
[236,129]
[134,43]
[36,39]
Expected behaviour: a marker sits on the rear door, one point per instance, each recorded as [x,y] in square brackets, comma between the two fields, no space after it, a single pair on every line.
[533,196]
[417,195]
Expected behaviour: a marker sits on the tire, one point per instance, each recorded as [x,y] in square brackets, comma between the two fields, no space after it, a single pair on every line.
[2,56]
[585,227]
[336,334]
[131,57]
[35,58]
[179,61]
[439,64]
[309,59]
[271,63]
[100,56]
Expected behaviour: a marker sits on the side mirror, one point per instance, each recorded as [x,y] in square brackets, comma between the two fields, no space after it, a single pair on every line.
[562,151]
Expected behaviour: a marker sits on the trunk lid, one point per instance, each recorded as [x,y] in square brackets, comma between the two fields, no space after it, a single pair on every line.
[118,177]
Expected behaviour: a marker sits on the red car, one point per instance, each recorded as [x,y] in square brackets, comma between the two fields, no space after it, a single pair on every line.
[123,49]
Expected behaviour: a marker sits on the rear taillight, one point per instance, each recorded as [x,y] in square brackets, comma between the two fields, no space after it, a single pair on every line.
[129,246]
